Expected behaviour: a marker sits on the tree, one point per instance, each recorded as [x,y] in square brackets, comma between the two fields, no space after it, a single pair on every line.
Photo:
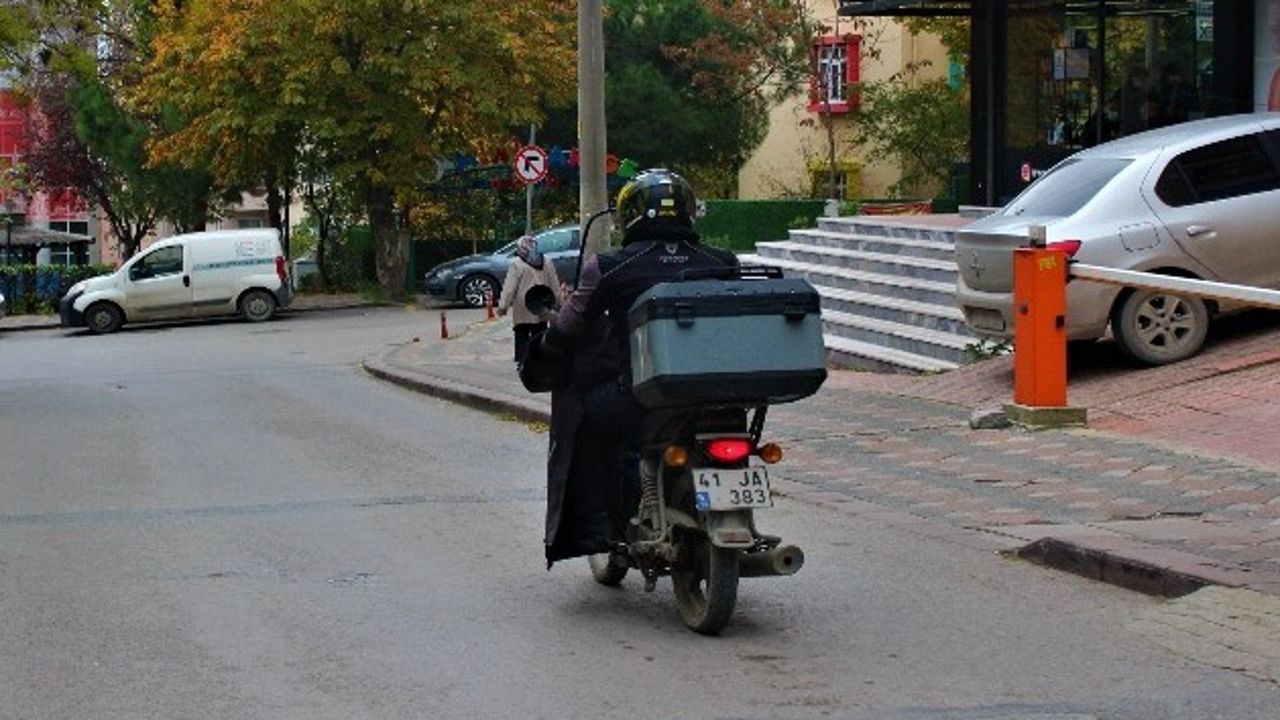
[381,87]
[82,141]
[73,61]
[922,127]
[690,82]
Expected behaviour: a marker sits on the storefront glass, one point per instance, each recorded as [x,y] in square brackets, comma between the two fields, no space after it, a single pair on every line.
[1080,73]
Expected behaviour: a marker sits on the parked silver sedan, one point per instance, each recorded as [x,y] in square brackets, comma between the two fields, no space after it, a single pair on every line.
[1199,200]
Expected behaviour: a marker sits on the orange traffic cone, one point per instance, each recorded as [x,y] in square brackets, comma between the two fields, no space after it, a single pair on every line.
[488,302]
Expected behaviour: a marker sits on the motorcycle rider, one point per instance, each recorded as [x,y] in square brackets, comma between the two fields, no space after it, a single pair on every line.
[593,480]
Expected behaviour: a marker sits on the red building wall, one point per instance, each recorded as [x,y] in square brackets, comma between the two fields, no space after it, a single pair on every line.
[41,208]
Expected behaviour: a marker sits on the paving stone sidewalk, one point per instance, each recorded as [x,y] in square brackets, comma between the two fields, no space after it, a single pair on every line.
[1134,503]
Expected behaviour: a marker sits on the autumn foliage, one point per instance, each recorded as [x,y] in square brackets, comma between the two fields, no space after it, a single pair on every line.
[379,88]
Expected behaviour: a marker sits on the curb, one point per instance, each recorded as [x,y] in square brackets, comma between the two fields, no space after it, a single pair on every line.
[24,328]
[1121,561]
[462,394]
[54,325]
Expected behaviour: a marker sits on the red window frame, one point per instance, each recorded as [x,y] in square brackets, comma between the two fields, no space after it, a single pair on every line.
[852,44]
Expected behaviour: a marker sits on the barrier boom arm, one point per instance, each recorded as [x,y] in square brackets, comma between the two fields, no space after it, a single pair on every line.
[1185,286]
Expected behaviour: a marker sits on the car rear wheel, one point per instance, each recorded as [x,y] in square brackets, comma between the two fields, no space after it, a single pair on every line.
[1157,328]
[475,289]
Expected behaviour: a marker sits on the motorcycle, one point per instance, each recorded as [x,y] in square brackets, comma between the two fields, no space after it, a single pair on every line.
[695,521]
[704,468]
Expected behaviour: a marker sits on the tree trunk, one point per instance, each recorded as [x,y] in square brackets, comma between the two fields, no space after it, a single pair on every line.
[324,225]
[391,247]
[275,205]
[322,239]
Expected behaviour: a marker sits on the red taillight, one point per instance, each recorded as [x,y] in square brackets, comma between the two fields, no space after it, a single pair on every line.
[1070,247]
[280,269]
[729,450]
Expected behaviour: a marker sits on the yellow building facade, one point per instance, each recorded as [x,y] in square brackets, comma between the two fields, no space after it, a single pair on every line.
[794,158]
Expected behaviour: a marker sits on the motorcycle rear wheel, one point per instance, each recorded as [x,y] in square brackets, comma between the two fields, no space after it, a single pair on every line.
[705,581]
[607,569]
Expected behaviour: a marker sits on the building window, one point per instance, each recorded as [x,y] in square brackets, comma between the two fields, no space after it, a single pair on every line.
[823,186]
[835,72]
[68,254]
[847,180]
[247,223]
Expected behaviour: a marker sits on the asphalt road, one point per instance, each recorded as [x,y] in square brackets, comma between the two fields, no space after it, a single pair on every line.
[232,521]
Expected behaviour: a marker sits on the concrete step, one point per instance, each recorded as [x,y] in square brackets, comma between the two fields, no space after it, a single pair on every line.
[944,346]
[872,262]
[904,288]
[900,228]
[844,352]
[942,318]
[882,244]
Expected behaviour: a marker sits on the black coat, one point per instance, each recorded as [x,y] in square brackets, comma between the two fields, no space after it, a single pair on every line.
[591,334]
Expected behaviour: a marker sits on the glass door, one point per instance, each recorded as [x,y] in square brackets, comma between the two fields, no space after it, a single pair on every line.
[1081,72]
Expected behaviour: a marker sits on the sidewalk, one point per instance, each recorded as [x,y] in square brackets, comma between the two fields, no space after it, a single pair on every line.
[1174,485]
[301,303]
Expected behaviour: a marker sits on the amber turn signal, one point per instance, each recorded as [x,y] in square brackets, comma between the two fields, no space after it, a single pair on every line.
[676,456]
[770,453]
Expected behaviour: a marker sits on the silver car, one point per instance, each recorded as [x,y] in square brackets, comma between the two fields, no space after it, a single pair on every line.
[1199,200]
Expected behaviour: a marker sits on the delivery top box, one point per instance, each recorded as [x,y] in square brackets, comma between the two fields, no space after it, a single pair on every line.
[726,342]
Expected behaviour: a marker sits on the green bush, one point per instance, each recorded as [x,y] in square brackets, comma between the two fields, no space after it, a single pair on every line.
[739,224]
[38,288]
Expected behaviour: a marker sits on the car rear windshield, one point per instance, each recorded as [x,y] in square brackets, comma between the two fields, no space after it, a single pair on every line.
[1066,188]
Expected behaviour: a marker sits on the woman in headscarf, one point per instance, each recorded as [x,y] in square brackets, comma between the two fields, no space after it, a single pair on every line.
[528,268]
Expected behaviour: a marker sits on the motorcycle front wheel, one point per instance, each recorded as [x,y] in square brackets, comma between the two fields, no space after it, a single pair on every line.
[607,569]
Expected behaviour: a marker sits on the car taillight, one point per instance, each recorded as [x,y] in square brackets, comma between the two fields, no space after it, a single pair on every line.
[280,269]
[729,450]
[1070,247]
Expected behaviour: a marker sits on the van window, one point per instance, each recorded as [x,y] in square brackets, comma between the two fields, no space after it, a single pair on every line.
[1066,188]
[1225,169]
[165,261]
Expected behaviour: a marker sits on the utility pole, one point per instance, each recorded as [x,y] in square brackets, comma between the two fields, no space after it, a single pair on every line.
[593,192]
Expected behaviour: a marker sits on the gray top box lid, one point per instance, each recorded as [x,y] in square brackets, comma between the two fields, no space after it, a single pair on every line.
[792,297]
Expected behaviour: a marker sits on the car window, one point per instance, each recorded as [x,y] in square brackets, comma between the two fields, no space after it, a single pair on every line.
[1173,188]
[1225,169]
[556,241]
[1066,188]
[165,261]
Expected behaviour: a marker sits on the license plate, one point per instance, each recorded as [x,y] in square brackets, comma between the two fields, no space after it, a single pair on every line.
[986,319]
[731,489]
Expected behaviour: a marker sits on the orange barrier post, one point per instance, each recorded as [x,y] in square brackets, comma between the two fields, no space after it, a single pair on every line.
[1039,333]
[488,303]
[1040,338]
[444,327]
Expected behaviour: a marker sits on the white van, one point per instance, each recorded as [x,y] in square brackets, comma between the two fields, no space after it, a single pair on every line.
[221,272]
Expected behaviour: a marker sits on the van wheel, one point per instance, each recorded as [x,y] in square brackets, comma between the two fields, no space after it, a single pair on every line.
[257,306]
[1157,328]
[103,318]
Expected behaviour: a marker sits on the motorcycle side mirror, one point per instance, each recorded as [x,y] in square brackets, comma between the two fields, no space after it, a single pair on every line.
[541,301]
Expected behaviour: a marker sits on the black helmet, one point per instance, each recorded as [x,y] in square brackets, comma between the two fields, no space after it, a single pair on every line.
[656,199]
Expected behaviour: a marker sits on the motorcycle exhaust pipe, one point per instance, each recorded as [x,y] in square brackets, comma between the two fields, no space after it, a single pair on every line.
[782,560]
